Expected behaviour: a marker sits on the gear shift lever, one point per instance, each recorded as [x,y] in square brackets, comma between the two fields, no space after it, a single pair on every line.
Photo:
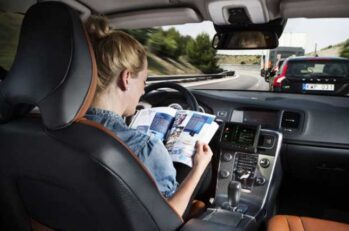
[234,190]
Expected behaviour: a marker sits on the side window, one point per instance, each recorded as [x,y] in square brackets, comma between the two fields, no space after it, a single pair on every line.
[10,25]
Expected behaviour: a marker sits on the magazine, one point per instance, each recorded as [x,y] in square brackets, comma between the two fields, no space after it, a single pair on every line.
[178,129]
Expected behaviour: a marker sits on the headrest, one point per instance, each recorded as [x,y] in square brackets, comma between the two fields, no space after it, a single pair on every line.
[54,68]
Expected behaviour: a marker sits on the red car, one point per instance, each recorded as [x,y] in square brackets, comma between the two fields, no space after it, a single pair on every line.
[314,75]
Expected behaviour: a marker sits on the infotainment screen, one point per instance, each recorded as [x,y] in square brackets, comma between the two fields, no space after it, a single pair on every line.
[267,119]
[240,136]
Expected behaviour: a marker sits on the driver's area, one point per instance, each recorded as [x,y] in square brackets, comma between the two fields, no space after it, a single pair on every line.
[64,172]
[246,171]
[57,169]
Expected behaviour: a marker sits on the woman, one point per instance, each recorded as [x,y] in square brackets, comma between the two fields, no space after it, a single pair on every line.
[122,73]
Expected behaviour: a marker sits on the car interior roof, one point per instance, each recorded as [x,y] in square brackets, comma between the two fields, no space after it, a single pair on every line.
[137,11]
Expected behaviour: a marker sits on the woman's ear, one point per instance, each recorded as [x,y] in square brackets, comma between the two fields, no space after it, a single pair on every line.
[124,80]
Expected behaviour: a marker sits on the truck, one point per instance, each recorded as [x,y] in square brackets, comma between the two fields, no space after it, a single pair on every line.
[271,58]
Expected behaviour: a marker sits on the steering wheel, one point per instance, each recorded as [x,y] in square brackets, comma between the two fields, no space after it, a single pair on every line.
[189,97]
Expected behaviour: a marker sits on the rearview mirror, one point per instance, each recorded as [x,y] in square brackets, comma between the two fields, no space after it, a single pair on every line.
[239,40]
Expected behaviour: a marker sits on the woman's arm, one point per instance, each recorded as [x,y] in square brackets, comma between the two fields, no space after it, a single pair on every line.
[179,201]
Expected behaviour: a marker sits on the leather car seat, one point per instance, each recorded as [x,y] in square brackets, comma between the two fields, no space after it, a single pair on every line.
[295,223]
[56,168]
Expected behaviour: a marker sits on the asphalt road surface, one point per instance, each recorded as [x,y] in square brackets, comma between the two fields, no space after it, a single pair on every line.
[246,78]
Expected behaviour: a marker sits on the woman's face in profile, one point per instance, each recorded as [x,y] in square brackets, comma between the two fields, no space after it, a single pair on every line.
[136,88]
[252,40]
[249,44]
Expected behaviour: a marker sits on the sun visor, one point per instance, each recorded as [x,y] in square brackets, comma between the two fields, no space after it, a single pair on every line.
[151,18]
[314,8]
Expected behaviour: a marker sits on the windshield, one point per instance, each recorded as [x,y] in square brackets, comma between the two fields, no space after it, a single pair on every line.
[184,54]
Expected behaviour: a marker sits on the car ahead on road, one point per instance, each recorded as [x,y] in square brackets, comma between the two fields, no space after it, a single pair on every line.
[314,75]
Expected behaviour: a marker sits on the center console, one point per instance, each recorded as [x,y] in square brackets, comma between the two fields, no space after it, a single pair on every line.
[248,157]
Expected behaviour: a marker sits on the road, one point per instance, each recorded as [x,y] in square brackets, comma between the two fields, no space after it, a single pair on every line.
[247,78]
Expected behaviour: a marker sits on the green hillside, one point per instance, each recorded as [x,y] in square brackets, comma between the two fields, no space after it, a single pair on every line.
[332,50]
[239,59]
[167,66]
[9,35]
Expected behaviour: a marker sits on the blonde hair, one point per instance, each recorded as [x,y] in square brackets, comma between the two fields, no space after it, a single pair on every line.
[115,51]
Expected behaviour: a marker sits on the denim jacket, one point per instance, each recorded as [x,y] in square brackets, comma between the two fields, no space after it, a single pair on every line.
[149,149]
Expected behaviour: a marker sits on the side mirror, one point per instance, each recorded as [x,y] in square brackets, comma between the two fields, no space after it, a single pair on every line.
[239,40]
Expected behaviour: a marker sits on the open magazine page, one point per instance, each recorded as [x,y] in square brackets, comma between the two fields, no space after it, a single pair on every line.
[189,127]
[155,121]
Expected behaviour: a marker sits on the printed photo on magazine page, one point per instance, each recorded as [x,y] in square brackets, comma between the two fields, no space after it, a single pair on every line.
[179,130]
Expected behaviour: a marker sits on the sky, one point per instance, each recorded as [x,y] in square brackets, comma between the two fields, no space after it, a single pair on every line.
[298,32]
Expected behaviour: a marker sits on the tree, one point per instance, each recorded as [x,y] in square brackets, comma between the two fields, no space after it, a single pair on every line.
[168,43]
[173,35]
[162,44]
[345,50]
[201,54]
[142,35]
[183,42]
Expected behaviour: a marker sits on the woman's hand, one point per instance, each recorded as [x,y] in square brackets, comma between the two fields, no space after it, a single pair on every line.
[202,156]
[179,201]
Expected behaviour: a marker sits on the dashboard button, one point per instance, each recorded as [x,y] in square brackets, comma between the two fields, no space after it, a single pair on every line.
[227,156]
[268,141]
[260,180]
[264,163]
[224,174]
[222,113]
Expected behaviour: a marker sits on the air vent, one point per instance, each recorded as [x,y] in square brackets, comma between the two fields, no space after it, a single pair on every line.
[290,120]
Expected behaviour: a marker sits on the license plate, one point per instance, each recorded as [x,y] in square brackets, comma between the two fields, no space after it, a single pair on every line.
[318,87]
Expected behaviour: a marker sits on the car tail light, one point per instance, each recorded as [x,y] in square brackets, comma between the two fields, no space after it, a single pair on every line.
[279,79]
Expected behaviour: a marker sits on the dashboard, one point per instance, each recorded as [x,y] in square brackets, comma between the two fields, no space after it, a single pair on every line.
[312,125]
[315,137]
[303,119]
[315,146]
[311,119]
[307,119]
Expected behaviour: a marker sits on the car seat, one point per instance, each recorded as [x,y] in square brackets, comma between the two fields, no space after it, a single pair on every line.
[296,223]
[56,168]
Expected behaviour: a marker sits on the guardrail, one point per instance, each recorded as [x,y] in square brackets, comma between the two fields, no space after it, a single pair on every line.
[189,78]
